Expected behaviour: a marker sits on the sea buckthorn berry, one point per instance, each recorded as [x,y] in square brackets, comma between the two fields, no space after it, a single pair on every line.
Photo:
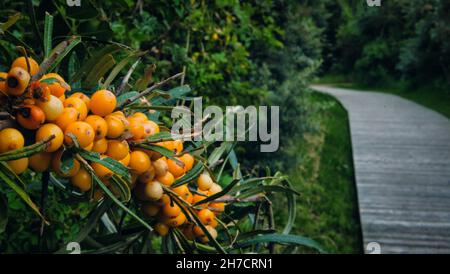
[117,149]
[68,116]
[39,91]
[118,113]
[78,104]
[126,160]
[103,102]
[171,210]
[136,128]
[45,132]
[82,180]
[204,181]
[214,223]
[82,131]
[175,167]
[98,195]
[58,87]
[52,108]
[176,221]
[217,208]
[198,231]
[62,98]
[188,161]
[153,191]
[189,198]
[100,170]
[206,216]
[17,81]
[215,188]
[166,179]
[56,165]
[100,146]
[198,197]
[99,125]
[150,128]
[3,88]
[161,229]
[115,127]
[140,116]
[150,209]
[160,166]
[139,162]
[22,63]
[83,97]
[89,147]
[30,117]
[182,191]
[178,146]
[18,166]
[10,139]
[40,162]
[147,176]
[165,199]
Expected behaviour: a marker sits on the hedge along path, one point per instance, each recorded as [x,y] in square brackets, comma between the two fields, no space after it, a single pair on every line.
[401,154]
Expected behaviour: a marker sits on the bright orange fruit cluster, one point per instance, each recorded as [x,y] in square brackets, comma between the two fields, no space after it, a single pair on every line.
[43,108]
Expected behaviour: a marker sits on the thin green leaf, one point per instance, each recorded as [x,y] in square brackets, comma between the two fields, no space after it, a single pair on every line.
[280,239]
[115,166]
[219,194]
[113,74]
[99,70]
[11,21]
[48,31]
[66,51]
[25,151]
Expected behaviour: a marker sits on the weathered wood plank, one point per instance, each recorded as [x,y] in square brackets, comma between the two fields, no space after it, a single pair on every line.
[401,154]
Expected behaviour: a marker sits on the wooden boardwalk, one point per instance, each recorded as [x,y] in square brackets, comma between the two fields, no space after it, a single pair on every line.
[401,154]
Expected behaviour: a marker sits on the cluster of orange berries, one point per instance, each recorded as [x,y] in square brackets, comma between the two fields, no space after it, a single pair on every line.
[160,205]
[41,106]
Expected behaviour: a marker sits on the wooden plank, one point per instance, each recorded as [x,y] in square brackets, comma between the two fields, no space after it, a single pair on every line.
[401,154]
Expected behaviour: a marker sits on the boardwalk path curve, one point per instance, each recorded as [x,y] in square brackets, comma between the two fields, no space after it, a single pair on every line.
[401,154]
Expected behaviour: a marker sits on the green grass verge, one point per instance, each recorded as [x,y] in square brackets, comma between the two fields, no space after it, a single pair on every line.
[327,209]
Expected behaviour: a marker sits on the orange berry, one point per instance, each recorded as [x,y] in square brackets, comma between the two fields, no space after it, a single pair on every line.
[68,116]
[115,127]
[140,116]
[45,132]
[22,63]
[40,162]
[147,176]
[18,166]
[83,97]
[126,160]
[30,117]
[177,169]
[166,179]
[215,188]
[212,231]
[176,221]
[136,128]
[150,209]
[188,161]
[153,191]
[139,162]
[39,91]
[3,87]
[182,191]
[198,231]
[17,81]
[10,139]
[99,125]
[59,87]
[204,181]
[150,128]
[160,166]
[171,210]
[117,149]
[197,198]
[100,170]
[56,165]
[206,216]
[161,229]
[100,146]
[82,180]
[82,131]
[217,208]
[78,104]
[103,102]
[89,147]
[52,108]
